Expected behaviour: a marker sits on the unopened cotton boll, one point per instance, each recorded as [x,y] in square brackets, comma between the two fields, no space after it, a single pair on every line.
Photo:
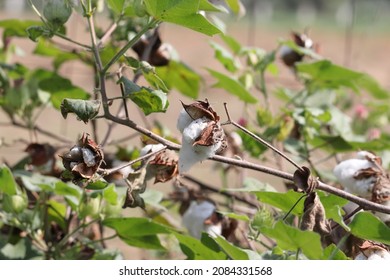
[346,171]
[183,121]
[195,216]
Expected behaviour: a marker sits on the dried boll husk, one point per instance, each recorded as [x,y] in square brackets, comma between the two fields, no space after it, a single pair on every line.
[83,159]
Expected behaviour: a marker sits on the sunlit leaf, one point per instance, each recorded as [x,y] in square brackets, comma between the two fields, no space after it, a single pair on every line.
[181,12]
[135,227]
[225,58]
[234,252]
[232,86]
[196,250]
[284,201]
[179,76]
[16,27]
[291,238]
[326,74]
[367,226]
[150,101]
[333,253]
[7,182]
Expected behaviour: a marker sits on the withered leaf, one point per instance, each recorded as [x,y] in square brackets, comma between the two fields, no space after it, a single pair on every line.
[303,180]
[201,109]
[314,215]
[136,185]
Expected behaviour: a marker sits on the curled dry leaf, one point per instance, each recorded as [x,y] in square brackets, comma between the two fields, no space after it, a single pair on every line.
[136,185]
[313,218]
[83,159]
[304,181]
[201,109]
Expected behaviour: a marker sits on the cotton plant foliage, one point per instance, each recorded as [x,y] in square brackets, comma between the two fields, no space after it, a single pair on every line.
[202,134]
[364,176]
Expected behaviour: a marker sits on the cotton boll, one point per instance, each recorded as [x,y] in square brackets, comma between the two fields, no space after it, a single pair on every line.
[213,230]
[372,255]
[195,216]
[194,129]
[190,155]
[150,148]
[183,121]
[345,172]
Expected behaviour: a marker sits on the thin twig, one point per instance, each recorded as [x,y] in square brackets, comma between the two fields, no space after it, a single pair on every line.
[40,130]
[223,192]
[107,172]
[265,143]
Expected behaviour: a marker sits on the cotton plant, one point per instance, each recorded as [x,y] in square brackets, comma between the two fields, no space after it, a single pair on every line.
[202,134]
[364,176]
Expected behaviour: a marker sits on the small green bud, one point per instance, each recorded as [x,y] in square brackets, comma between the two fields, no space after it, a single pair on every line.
[139,8]
[57,12]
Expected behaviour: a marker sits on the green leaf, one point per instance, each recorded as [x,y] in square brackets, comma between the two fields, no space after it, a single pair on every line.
[84,109]
[234,253]
[234,5]
[326,74]
[179,76]
[117,6]
[150,101]
[46,48]
[135,227]
[253,185]
[235,216]
[110,194]
[64,189]
[196,250]
[366,226]
[205,5]
[97,185]
[181,12]
[232,86]
[151,242]
[333,253]
[232,43]
[7,182]
[333,207]
[225,58]
[34,32]
[15,27]
[283,201]
[56,213]
[291,238]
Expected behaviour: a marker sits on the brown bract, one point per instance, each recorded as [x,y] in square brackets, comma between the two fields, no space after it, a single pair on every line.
[200,109]
[164,165]
[83,159]
[40,154]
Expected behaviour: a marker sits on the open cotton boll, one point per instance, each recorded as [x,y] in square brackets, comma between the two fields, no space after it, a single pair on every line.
[189,154]
[374,255]
[195,216]
[345,172]
[150,148]
[184,120]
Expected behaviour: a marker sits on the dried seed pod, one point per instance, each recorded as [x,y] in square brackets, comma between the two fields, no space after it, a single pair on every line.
[84,159]
[290,56]
[200,109]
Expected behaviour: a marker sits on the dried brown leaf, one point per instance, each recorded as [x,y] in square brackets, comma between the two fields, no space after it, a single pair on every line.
[314,215]
[304,181]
